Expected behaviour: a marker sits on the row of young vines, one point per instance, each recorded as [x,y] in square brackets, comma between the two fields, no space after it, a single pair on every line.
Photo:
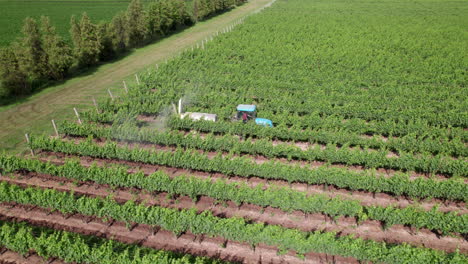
[235,229]
[331,154]
[74,248]
[153,104]
[282,198]
[399,184]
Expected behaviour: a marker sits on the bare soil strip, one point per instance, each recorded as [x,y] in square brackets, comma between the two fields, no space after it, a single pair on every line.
[371,230]
[148,236]
[12,257]
[365,198]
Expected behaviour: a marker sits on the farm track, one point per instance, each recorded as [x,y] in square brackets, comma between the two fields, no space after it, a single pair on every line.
[155,238]
[259,159]
[371,230]
[11,257]
[365,198]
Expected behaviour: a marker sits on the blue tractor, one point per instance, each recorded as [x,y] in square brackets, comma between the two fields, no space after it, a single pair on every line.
[249,112]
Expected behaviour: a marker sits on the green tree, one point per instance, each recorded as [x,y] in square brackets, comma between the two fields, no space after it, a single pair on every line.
[58,57]
[106,40]
[119,32]
[166,17]
[195,10]
[86,41]
[14,80]
[155,19]
[31,55]
[136,23]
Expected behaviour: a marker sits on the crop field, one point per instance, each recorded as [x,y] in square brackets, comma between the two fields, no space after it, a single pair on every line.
[13,12]
[367,160]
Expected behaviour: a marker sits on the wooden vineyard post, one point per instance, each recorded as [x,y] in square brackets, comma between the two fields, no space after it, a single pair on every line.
[29,142]
[157,67]
[55,128]
[125,86]
[110,93]
[137,79]
[95,105]
[77,116]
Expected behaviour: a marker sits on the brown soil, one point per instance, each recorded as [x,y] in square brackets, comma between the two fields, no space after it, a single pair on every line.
[11,257]
[365,198]
[158,239]
[305,222]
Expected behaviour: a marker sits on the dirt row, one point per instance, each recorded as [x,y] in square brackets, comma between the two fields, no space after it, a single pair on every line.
[259,159]
[365,198]
[151,237]
[12,257]
[306,222]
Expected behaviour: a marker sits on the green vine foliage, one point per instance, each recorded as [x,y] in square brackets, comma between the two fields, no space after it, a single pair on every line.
[332,153]
[400,184]
[236,229]
[75,248]
[274,196]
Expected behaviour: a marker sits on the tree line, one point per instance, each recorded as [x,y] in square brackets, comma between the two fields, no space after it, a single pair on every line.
[41,55]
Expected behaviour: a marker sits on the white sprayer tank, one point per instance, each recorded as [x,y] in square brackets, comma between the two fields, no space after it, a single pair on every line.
[199,116]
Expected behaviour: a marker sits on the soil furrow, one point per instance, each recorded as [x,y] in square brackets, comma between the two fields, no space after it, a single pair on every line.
[11,257]
[365,198]
[371,230]
[152,237]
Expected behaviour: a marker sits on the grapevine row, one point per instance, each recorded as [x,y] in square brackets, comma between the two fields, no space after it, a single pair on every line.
[331,154]
[407,143]
[400,184]
[282,198]
[75,248]
[417,128]
[236,229]
[286,80]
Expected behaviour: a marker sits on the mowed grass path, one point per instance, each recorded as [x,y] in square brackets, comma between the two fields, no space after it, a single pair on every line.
[57,102]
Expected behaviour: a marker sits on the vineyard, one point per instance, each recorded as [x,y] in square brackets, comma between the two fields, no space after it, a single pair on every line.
[367,161]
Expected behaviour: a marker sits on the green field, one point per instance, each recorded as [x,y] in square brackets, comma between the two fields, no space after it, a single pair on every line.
[13,12]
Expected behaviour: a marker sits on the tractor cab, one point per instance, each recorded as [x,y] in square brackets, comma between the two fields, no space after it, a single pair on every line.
[250,111]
